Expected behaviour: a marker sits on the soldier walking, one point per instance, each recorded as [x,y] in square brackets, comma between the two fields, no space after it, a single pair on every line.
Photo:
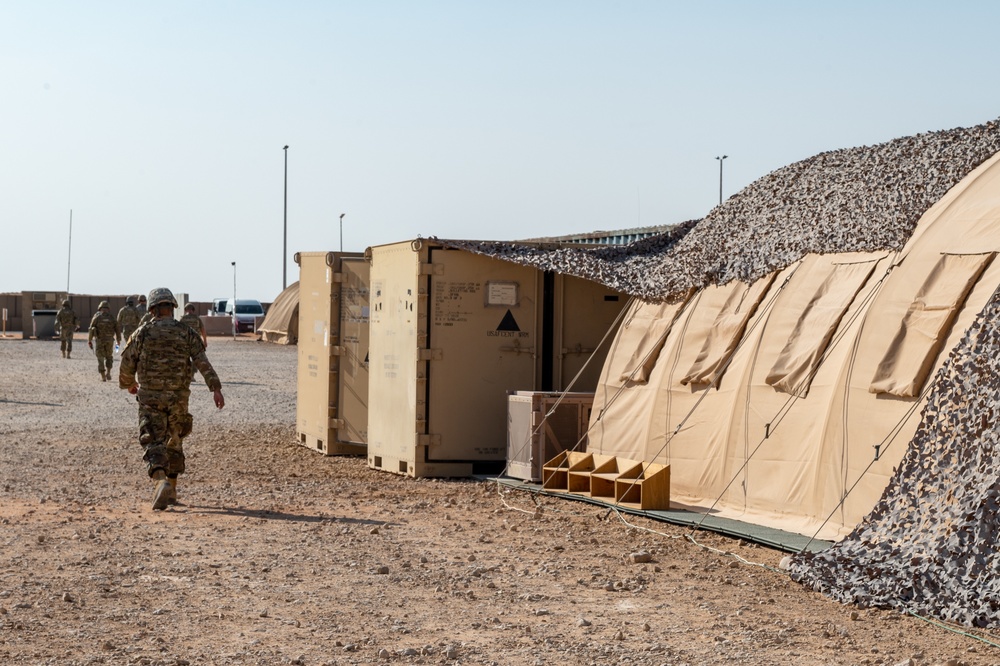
[157,366]
[105,328]
[128,318]
[195,322]
[67,323]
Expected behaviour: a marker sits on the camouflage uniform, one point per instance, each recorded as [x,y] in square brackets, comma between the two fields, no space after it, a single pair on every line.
[104,327]
[195,322]
[128,320]
[163,353]
[67,323]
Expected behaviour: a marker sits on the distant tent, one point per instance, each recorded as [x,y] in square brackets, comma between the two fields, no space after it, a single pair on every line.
[281,324]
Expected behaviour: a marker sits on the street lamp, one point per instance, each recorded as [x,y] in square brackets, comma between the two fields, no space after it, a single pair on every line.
[235,325]
[342,231]
[720,176]
[284,247]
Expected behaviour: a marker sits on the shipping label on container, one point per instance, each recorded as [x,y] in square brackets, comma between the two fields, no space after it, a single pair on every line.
[501,293]
[452,301]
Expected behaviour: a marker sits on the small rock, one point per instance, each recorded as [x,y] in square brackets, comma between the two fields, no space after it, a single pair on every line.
[619,635]
[373,530]
[541,611]
[382,570]
[640,557]
[583,622]
[450,652]
[384,654]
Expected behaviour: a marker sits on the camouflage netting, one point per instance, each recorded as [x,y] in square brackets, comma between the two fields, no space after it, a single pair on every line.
[930,545]
[853,200]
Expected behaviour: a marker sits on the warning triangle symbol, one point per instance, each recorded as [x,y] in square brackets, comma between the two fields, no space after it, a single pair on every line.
[508,323]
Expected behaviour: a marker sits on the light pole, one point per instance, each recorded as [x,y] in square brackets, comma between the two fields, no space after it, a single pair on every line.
[69,251]
[284,247]
[720,176]
[235,325]
[342,231]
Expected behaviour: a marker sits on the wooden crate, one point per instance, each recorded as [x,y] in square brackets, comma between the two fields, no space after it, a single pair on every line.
[645,487]
[604,476]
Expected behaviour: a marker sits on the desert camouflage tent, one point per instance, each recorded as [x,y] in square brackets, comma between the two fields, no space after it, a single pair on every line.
[281,325]
[781,354]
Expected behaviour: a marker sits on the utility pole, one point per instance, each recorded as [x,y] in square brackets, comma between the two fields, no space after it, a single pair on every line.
[720,176]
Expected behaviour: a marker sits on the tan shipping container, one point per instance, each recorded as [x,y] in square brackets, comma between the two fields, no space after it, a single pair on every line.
[332,397]
[452,333]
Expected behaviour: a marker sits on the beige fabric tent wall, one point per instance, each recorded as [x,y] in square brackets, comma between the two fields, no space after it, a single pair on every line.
[788,437]
[281,325]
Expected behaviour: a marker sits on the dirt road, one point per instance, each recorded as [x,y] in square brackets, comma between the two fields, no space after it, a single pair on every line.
[279,555]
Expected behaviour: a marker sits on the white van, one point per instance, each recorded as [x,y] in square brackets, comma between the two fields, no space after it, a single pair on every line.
[247,311]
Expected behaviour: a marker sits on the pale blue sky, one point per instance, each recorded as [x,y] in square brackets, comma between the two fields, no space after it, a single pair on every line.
[161,124]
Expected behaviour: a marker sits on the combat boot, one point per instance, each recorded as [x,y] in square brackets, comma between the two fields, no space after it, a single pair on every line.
[64,353]
[162,492]
[67,354]
[172,494]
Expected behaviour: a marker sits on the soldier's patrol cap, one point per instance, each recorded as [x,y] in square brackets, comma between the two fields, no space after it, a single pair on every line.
[161,295]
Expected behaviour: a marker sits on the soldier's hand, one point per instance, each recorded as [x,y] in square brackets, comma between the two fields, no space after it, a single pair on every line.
[90,344]
[133,389]
[220,402]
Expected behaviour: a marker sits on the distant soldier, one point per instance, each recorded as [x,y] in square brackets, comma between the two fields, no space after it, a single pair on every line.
[141,307]
[67,324]
[195,322]
[104,327]
[128,318]
[157,369]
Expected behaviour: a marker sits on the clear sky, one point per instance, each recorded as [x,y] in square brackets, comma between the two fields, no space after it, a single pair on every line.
[161,124]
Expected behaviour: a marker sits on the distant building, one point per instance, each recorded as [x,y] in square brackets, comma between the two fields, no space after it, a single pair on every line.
[618,237]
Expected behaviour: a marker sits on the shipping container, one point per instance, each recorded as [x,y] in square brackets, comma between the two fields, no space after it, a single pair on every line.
[452,334]
[332,396]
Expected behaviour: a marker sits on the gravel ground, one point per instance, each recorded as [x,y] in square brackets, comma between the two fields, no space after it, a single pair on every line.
[279,555]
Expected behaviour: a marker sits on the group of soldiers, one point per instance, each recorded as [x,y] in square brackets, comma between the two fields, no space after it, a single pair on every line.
[109,332]
[158,363]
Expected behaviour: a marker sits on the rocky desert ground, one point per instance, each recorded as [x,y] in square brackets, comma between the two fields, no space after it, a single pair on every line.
[279,555]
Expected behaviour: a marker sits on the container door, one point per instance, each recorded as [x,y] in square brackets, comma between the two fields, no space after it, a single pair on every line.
[482,344]
[354,329]
[585,311]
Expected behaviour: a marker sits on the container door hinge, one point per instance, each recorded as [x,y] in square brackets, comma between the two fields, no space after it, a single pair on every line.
[430,269]
[430,354]
[428,440]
